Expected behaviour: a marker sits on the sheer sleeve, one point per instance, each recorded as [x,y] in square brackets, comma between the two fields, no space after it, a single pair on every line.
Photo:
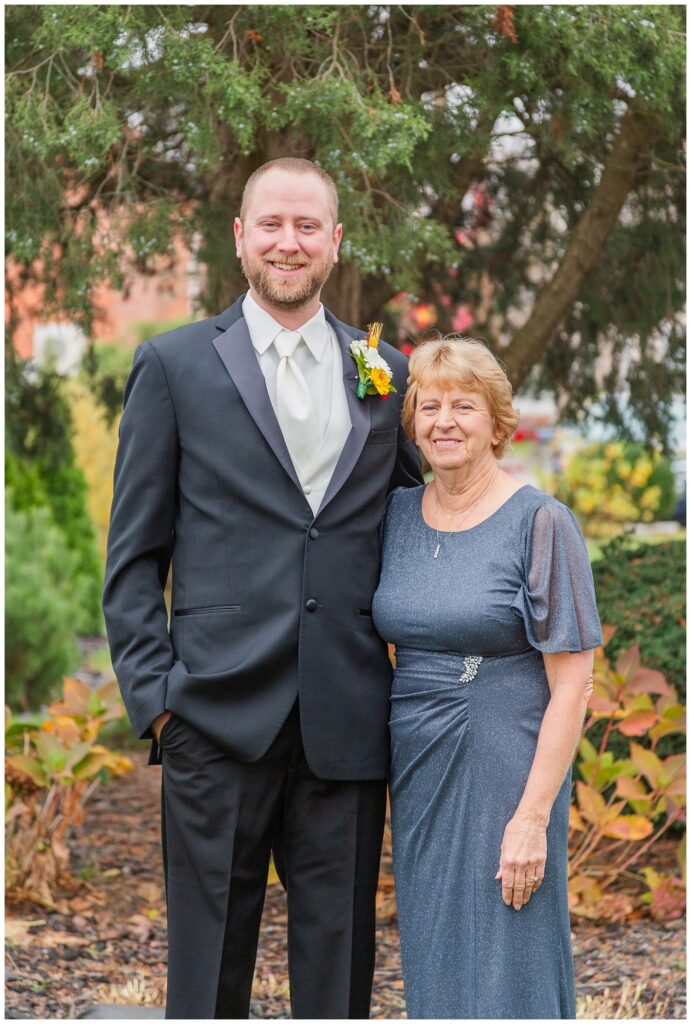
[557,598]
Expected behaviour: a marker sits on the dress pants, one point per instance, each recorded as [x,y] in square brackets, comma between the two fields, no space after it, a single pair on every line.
[220,820]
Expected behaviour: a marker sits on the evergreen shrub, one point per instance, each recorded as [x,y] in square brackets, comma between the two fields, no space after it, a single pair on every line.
[42,605]
[641,591]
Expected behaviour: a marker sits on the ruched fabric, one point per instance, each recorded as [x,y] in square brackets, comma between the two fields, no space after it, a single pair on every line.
[468,698]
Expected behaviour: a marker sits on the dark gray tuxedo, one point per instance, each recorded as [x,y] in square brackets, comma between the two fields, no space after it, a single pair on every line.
[278,683]
[269,601]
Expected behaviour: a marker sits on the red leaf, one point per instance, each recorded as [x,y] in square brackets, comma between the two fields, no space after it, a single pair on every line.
[649,680]
[637,723]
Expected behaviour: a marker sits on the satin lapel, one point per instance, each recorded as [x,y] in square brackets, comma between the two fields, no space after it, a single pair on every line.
[359,417]
[235,348]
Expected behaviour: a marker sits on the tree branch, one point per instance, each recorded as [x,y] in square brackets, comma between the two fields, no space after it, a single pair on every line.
[639,128]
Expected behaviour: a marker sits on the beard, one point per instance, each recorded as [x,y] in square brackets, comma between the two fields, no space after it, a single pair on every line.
[284,293]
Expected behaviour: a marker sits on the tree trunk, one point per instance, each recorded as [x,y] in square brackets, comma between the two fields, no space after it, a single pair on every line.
[638,130]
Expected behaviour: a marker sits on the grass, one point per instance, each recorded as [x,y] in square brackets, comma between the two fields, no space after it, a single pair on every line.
[624,1006]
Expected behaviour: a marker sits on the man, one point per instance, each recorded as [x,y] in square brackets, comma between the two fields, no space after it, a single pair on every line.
[248,460]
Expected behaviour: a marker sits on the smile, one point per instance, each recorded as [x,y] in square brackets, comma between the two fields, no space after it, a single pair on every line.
[446,442]
[288,268]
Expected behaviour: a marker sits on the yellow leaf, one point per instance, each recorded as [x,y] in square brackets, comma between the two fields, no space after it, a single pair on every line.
[273,878]
[647,763]
[631,789]
[591,804]
[575,820]
[629,826]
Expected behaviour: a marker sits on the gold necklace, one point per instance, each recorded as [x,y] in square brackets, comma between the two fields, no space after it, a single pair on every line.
[465,514]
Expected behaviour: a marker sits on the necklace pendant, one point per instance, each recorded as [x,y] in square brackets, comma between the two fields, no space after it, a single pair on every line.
[436,550]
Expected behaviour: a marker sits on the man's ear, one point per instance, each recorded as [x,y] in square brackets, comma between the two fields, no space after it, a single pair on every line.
[237,231]
[337,236]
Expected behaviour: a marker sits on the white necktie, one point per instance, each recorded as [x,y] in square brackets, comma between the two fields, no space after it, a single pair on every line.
[294,406]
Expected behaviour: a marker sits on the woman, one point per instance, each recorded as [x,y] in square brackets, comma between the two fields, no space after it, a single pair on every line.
[487,593]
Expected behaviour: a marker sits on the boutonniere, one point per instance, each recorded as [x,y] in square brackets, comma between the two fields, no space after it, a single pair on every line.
[374,372]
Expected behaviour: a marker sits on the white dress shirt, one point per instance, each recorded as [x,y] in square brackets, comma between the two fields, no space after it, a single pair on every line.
[320,361]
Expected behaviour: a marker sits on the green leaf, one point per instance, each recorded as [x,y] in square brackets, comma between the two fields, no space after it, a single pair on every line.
[29,766]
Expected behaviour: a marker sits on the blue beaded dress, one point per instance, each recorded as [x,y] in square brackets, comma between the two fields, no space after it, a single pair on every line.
[467,702]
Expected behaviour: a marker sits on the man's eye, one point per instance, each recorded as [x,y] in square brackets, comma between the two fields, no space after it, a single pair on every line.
[309,227]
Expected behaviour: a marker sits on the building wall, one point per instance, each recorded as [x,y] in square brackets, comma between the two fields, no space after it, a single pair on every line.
[167,295]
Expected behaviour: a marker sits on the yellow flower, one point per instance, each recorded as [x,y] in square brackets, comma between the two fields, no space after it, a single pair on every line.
[614,451]
[650,498]
[374,334]
[381,380]
[642,472]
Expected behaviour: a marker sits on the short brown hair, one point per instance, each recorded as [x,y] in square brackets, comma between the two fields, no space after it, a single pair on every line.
[468,363]
[295,165]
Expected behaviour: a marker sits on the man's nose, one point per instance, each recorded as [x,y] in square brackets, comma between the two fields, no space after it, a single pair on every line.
[288,242]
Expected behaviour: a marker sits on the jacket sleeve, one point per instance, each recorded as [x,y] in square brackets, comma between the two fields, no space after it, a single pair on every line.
[140,541]
[407,471]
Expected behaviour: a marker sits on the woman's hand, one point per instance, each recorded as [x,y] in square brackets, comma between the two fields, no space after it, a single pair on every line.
[522,860]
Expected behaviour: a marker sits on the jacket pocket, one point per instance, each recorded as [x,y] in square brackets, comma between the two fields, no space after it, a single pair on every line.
[389,436]
[208,610]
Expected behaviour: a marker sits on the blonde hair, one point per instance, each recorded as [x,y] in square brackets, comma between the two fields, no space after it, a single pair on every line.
[467,363]
[295,165]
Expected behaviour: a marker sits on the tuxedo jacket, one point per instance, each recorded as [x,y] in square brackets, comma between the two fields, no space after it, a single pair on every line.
[269,602]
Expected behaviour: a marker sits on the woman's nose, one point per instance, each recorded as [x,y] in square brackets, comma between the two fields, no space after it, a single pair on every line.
[444,417]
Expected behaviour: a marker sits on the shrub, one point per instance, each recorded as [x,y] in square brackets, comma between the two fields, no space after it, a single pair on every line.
[95,444]
[41,467]
[609,485]
[641,590]
[623,805]
[52,768]
[41,606]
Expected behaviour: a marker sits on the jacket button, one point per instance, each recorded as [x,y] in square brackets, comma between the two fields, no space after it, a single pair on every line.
[314,533]
[311,605]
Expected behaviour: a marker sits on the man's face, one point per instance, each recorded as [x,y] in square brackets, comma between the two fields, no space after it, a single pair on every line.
[288,242]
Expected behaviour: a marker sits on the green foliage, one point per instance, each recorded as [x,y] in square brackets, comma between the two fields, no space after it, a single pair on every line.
[609,485]
[41,606]
[41,469]
[106,367]
[641,591]
[155,117]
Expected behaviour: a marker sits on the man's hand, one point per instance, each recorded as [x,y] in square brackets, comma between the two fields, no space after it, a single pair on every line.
[158,723]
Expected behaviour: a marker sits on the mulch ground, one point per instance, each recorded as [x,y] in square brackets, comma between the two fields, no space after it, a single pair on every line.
[106,943]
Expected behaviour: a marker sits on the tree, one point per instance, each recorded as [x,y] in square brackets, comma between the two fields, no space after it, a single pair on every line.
[522,164]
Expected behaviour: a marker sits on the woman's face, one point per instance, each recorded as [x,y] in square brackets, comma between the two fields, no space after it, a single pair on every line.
[453,426]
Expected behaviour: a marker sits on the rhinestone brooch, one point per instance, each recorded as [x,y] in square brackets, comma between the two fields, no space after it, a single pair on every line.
[472,664]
